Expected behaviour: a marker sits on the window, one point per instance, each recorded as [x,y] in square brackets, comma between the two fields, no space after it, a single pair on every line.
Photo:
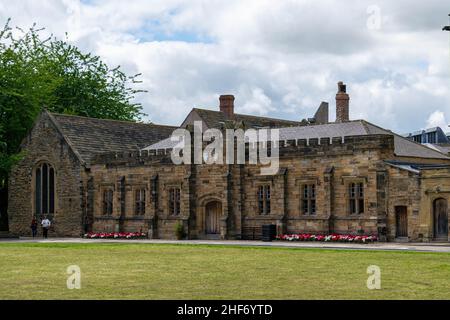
[417,139]
[108,196]
[139,208]
[264,199]
[44,190]
[154,189]
[356,198]
[431,137]
[309,199]
[174,201]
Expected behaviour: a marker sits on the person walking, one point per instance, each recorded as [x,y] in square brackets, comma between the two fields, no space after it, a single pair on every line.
[34,227]
[45,226]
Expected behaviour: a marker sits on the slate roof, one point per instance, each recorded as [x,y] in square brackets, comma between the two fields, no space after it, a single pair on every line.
[403,147]
[90,136]
[415,167]
[441,147]
[215,119]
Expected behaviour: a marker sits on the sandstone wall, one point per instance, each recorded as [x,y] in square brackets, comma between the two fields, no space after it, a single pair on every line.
[45,144]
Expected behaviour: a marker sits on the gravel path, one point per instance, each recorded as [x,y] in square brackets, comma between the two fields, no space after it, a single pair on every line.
[419,247]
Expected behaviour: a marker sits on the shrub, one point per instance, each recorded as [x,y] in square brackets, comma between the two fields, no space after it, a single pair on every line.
[179,231]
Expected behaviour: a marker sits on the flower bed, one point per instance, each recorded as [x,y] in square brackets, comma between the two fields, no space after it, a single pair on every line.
[327,238]
[116,235]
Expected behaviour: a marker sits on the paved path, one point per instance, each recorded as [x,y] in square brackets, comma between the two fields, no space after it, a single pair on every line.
[419,247]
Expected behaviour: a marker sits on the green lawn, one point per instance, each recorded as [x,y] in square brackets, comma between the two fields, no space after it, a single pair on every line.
[145,271]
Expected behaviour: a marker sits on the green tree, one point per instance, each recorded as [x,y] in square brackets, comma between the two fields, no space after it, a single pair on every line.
[45,72]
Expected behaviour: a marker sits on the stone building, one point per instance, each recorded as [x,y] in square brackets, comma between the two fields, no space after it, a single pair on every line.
[333,177]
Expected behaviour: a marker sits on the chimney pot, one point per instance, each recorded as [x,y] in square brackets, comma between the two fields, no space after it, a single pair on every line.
[342,103]
[227,105]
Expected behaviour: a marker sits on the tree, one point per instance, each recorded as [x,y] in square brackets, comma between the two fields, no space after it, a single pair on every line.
[38,72]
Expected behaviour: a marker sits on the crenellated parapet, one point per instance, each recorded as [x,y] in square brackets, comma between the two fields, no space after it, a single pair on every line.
[336,145]
[287,148]
[133,158]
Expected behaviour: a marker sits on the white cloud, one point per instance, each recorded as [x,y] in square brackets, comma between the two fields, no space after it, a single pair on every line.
[437,119]
[256,101]
[280,58]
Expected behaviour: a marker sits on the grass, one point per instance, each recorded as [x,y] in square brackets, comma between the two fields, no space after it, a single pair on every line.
[146,271]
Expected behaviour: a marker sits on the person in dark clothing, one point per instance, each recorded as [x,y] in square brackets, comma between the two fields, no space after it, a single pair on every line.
[34,227]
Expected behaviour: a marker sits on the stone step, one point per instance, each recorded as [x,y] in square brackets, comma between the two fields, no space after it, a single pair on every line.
[5,235]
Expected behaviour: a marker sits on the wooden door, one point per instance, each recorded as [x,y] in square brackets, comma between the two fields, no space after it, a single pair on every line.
[440,218]
[213,212]
[401,214]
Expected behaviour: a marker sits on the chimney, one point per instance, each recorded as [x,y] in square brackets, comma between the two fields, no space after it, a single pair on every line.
[342,103]
[227,105]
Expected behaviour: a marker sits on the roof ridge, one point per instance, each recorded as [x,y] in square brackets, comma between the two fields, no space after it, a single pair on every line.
[111,120]
[323,124]
[249,115]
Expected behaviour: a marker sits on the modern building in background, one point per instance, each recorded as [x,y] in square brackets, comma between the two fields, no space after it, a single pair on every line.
[434,138]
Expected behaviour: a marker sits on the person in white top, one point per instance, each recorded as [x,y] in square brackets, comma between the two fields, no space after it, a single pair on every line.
[45,226]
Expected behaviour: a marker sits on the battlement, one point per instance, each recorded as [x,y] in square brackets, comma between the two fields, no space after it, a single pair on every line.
[287,148]
[133,158]
[336,145]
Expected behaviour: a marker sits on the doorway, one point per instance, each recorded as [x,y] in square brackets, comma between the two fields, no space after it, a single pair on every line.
[213,211]
[401,218]
[440,219]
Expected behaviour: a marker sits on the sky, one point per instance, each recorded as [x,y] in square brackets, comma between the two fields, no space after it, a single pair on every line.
[279,58]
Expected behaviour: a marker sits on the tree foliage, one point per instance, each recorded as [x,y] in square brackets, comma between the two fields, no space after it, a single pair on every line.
[38,72]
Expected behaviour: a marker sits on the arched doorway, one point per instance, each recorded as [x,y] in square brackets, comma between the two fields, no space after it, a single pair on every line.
[440,219]
[213,211]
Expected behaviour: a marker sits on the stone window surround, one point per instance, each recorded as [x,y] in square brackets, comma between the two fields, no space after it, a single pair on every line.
[102,188]
[262,182]
[37,164]
[167,188]
[347,181]
[311,197]
[300,183]
[134,190]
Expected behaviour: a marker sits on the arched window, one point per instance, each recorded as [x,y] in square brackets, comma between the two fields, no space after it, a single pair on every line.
[108,196]
[44,190]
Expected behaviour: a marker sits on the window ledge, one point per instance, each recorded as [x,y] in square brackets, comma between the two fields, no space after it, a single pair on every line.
[264,217]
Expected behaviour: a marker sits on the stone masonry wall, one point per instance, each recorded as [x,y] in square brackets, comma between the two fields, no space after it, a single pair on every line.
[330,164]
[434,185]
[45,144]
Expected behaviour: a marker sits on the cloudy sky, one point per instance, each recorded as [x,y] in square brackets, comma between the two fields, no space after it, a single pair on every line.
[279,58]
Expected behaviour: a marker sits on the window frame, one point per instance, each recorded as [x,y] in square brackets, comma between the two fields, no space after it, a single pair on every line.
[174,201]
[309,199]
[432,137]
[44,201]
[356,198]
[140,201]
[264,199]
[108,202]
[418,138]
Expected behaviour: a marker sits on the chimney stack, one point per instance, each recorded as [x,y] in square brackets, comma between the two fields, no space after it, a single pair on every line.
[342,103]
[227,105]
